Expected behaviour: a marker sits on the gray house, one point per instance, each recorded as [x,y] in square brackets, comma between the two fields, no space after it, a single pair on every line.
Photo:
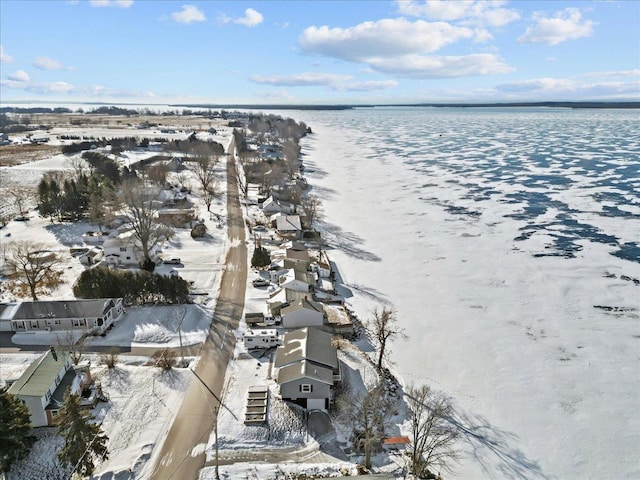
[92,316]
[308,368]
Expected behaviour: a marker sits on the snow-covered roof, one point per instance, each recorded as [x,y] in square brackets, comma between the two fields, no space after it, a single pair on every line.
[307,344]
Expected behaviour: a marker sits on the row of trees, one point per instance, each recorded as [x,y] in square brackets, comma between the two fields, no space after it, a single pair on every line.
[135,287]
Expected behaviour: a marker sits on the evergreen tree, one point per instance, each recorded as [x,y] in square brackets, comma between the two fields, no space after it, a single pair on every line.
[261,257]
[15,430]
[84,440]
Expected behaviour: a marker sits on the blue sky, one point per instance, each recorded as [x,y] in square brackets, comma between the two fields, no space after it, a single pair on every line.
[327,52]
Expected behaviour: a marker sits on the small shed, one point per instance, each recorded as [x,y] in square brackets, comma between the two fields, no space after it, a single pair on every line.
[395,443]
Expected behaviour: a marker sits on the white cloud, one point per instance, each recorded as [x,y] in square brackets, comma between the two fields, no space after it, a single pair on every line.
[20,80]
[333,81]
[19,76]
[188,14]
[275,95]
[4,56]
[46,63]
[619,73]
[478,12]
[564,25]
[384,38]
[367,86]
[301,79]
[251,18]
[28,86]
[421,66]
[561,88]
[111,3]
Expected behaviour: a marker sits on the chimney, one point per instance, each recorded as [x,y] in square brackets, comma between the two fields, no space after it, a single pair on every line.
[54,354]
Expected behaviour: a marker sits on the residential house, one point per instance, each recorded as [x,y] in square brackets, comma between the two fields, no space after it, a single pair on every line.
[43,385]
[308,368]
[281,298]
[91,316]
[272,206]
[297,279]
[125,250]
[303,313]
[289,226]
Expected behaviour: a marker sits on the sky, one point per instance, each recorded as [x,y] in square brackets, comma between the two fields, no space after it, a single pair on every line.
[322,52]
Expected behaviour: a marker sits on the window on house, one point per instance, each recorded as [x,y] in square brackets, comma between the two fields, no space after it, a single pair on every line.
[20,325]
[100,322]
[34,324]
[54,413]
[306,388]
[123,249]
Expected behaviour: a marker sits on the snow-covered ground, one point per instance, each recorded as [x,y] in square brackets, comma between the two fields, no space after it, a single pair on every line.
[142,398]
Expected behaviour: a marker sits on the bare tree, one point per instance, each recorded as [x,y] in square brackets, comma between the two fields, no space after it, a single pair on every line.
[384,328]
[368,415]
[433,434]
[141,212]
[73,342]
[158,173]
[22,197]
[33,264]
[312,208]
[204,170]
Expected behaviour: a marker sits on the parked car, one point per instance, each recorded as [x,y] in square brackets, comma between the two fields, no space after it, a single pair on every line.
[172,261]
[260,282]
[259,228]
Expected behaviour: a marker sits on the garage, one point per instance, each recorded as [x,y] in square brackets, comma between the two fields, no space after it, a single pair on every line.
[316,404]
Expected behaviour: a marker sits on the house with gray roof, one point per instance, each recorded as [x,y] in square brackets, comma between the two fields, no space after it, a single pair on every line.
[289,226]
[308,368]
[303,313]
[43,384]
[90,316]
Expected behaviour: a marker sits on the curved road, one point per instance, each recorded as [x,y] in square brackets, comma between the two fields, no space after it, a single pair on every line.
[182,454]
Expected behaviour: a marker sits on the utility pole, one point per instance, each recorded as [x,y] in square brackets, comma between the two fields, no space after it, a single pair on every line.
[183,311]
[216,409]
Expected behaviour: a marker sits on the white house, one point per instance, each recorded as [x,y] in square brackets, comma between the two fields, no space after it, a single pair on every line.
[126,250]
[303,313]
[91,316]
[295,279]
[43,384]
[272,206]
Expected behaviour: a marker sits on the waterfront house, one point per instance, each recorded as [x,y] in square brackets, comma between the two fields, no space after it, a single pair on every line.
[308,368]
[303,313]
[297,279]
[288,226]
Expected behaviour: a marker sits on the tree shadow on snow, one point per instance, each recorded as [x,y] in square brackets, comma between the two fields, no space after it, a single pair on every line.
[69,234]
[348,242]
[495,449]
